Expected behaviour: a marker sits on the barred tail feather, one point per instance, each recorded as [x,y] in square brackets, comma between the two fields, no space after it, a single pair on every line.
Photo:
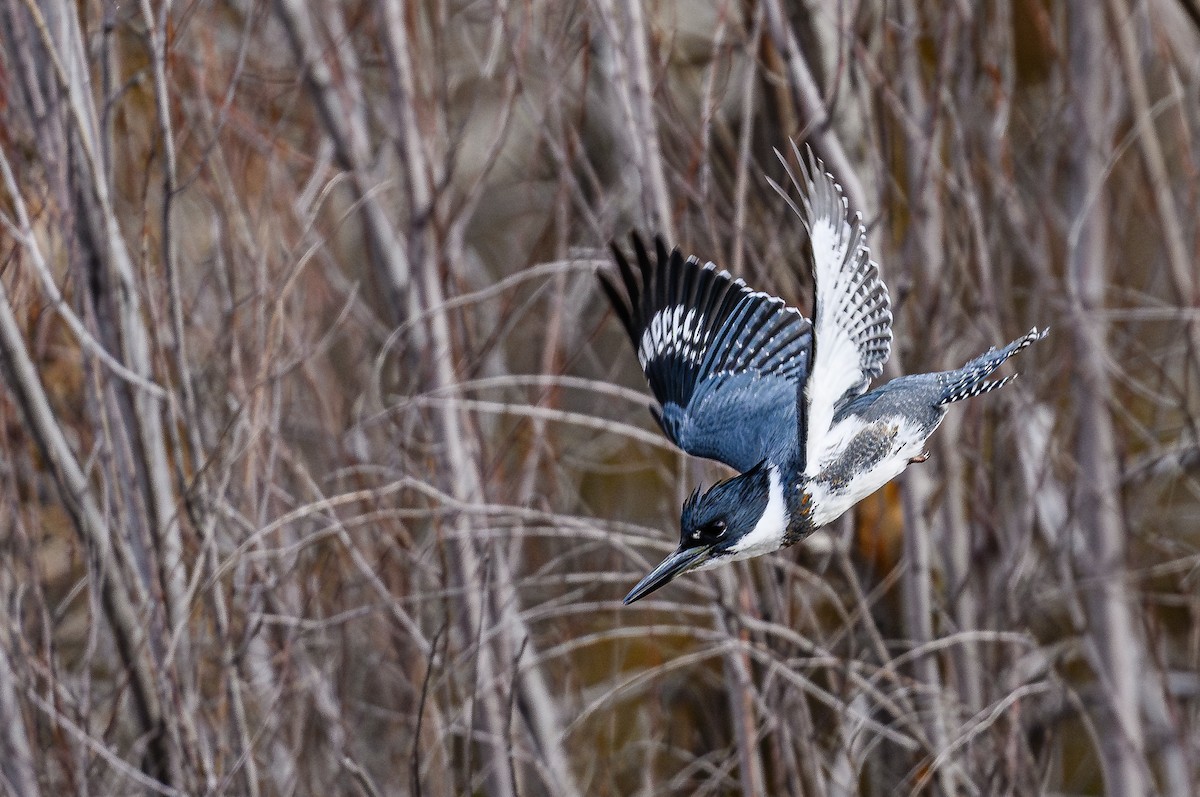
[972,378]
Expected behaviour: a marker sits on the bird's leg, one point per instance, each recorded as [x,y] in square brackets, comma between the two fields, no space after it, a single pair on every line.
[924,455]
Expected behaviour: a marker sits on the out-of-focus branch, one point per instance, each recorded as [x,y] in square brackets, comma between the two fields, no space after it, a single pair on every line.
[917,613]
[642,85]
[347,129]
[1118,656]
[745,136]
[462,471]
[76,493]
[1179,257]
[628,62]
[65,50]
[1192,9]
[742,692]
[1179,460]
[16,753]
[71,71]
[166,511]
[100,749]
[924,256]
[22,233]
[818,124]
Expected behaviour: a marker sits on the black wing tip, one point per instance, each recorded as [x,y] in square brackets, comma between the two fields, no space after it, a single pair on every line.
[619,305]
[662,249]
[648,271]
[618,255]
[639,251]
[637,242]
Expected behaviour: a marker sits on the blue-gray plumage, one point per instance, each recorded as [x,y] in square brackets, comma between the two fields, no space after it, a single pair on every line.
[717,355]
[923,397]
[746,380]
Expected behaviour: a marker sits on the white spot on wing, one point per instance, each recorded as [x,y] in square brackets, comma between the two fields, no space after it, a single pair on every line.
[676,330]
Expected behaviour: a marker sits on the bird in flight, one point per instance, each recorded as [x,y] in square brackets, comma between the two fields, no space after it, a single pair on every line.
[744,379]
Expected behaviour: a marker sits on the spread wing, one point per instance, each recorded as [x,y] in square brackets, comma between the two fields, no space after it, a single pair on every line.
[852,318]
[724,362]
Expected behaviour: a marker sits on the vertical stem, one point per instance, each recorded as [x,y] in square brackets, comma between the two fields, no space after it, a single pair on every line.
[172,571]
[514,641]
[75,491]
[817,122]
[16,755]
[629,66]
[1117,654]
[745,137]
[1179,259]
[347,130]
[957,533]
[917,594]
[740,687]
[926,239]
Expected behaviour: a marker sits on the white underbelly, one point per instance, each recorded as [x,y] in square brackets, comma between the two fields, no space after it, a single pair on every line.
[861,458]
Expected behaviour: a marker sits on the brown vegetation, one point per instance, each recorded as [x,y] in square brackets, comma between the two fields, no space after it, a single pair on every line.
[324,466]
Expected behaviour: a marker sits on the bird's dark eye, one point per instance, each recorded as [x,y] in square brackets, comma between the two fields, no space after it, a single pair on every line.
[711,530]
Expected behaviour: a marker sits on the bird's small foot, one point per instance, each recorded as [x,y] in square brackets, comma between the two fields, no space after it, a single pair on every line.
[924,455]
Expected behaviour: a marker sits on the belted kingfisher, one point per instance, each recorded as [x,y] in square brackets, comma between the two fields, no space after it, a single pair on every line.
[748,381]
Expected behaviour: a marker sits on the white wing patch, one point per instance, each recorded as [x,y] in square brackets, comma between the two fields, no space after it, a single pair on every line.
[837,364]
[677,331]
[852,320]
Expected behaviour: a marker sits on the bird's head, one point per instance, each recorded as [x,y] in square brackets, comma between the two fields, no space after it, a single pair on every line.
[735,519]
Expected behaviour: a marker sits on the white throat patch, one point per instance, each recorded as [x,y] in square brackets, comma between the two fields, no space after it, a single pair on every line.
[767,534]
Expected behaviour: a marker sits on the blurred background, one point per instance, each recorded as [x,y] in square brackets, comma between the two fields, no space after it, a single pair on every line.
[324,464]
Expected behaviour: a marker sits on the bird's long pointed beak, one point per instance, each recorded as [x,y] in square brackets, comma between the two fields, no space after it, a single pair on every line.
[679,562]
